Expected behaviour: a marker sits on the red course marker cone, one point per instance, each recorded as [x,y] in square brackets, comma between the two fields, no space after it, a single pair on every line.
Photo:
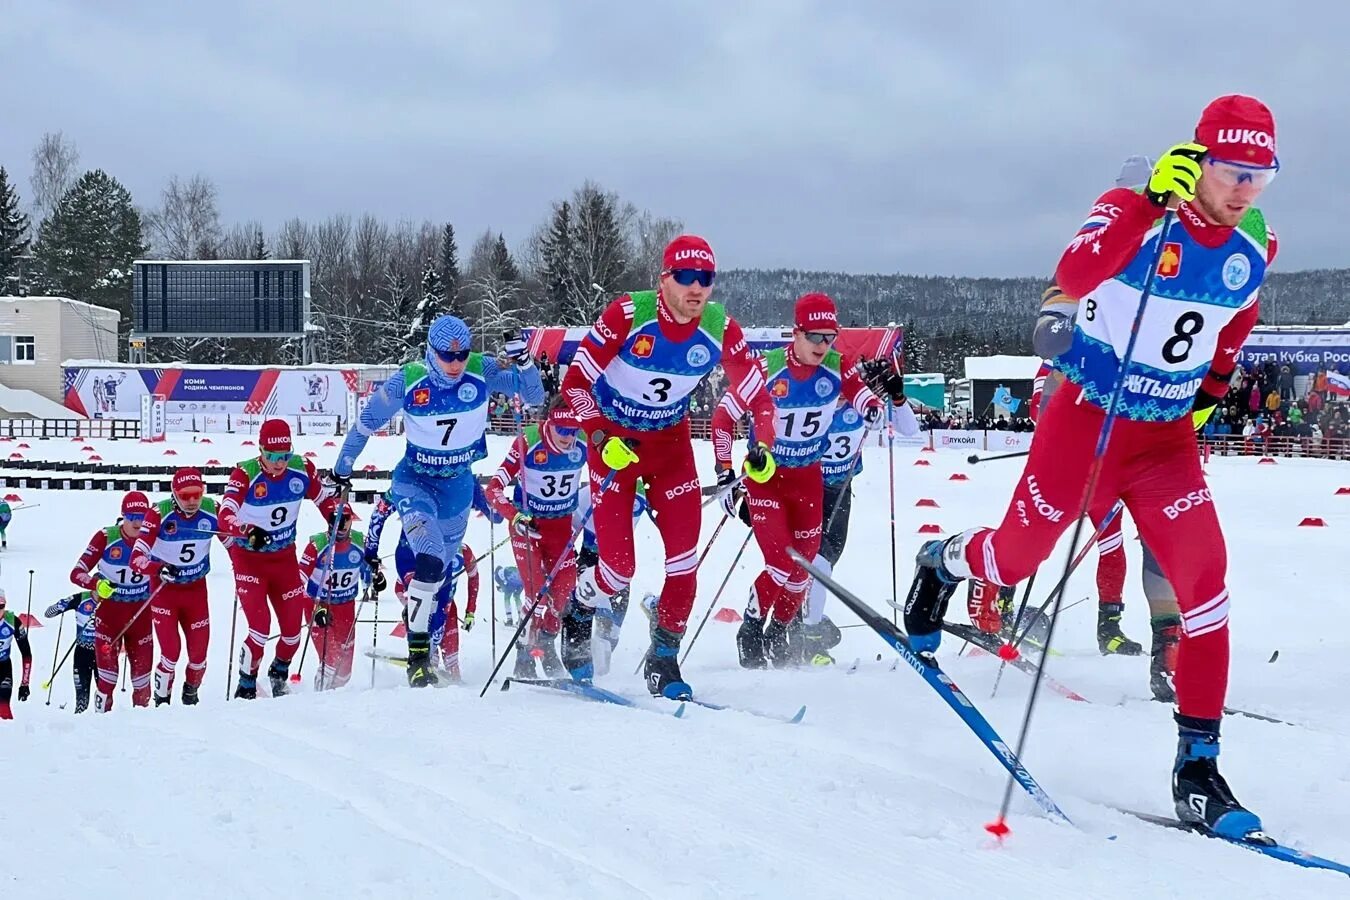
[920,462]
[929,529]
[925,501]
[212,462]
[1342,490]
[1312,522]
[400,630]
[1265,461]
[727,614]
[330,443]
[171,452]
[30,621]
[959,476]
[247,444]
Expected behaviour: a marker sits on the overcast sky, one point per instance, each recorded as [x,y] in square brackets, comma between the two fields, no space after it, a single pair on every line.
[884,136]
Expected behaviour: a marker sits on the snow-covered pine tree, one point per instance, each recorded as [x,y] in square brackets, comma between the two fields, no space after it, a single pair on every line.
[557,253]
[85,247]
[424,312]
[14,236]
[449,272]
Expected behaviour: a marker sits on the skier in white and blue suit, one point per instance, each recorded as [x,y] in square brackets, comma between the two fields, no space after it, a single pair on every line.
[444,401]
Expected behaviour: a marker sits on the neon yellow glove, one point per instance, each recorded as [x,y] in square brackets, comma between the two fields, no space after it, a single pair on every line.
[468,622]
[103,589]
[617,454]
[759,464]
[1177,172]
[1200,416]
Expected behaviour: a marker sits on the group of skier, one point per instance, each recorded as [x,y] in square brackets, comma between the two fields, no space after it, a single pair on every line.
[1149,304]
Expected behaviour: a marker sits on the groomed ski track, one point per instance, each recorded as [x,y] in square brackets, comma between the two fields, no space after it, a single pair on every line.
[880,792]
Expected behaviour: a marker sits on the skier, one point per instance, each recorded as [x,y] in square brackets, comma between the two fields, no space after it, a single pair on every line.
[335,575]
[259,514]
[84,603]
[610,612]
[842,462]
[629,385]
[1203,304]
[443,626]
[6,514]
[444,401]
[174,547]
[512,586]
[545,464]
[806,380]
[105,568]
[12,631]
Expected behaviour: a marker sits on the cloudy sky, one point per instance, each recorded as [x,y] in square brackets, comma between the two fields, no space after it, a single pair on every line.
[859,136]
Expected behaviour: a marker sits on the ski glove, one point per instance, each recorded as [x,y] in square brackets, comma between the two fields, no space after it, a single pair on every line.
[468,622]
[256,538]
[378,582]
[524,526]
[759,463]
[322,617]
[1177,172]
[872,417]
[54,610]
[23,692]
[1053,334]
[617,454]
[168,573]
[516,348]
[103,589]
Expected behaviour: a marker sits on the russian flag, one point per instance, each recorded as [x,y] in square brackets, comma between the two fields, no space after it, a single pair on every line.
[1338,384]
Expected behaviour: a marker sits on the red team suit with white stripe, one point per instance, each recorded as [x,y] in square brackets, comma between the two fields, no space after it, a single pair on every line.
[1202,307]
[252,497]
[786,511]
[108,558]
[631,377]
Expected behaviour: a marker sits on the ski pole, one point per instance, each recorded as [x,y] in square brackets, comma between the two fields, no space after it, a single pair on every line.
[999,827]
[115,641]
[1017,622]
[690,646]
[28,615]
[492,588]
[61,624]
[527,614]
[895,590]
[973,459]
[229,666]
[374,640]
[25,506]
[697,566]
[324,585]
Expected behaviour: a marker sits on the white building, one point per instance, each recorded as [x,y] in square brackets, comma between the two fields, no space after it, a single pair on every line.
[36,334]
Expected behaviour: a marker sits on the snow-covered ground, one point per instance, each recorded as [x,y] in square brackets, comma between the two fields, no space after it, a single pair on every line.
[880,792]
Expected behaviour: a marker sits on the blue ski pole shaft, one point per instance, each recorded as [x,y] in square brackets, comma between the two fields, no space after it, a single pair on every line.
[557,566]
[939,682]
[1103,441]
[890,451]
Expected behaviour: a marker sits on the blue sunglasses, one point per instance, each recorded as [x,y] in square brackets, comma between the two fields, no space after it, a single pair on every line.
[687,277]
[451,356]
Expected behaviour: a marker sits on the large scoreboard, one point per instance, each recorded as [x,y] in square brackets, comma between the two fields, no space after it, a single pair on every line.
[220,298]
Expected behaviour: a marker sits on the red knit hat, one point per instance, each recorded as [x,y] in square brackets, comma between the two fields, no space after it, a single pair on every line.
[815,312]
[689,251]
[188,479]
[134,503]
[275,435]
[1239,129]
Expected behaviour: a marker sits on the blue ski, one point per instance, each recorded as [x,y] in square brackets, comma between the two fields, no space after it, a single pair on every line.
[945,687]
[1273,850]
[585,691]
[790,720]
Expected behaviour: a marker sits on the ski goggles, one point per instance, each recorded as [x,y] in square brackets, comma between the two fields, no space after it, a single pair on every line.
[451,356]
[821,337]
[565,430]
[188,494]
[686,277]
[1234,174]
[133,518]
[276,456]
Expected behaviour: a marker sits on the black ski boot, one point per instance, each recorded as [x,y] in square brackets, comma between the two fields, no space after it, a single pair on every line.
[818,640]
[1202,797]
[247,688]
[162,699]
[576,642]
[420,672]
[277,673]
[750,643]
[1162,665]
[776,647]
[933,586]
[1110,639]
[189,695]
[662,670]
[525,667]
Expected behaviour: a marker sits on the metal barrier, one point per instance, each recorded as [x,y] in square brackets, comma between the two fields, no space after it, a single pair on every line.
[44,429]
[1304,447]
